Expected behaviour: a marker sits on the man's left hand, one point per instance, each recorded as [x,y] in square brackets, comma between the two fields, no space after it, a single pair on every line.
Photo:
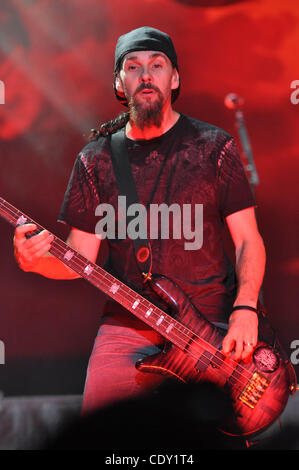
[242,335]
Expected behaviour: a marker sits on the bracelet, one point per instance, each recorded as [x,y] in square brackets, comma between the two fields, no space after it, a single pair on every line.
[245,307]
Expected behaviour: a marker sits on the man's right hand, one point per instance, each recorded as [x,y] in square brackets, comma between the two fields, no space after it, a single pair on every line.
[29,251]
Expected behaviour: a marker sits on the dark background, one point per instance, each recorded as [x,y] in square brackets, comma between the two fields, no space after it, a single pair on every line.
[56,61]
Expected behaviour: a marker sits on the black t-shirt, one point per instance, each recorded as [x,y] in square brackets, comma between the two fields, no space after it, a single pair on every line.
[192,163]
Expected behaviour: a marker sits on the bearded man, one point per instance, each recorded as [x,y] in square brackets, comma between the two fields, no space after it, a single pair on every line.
[174,158]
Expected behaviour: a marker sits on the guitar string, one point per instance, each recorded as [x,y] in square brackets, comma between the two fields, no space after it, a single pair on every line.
[176,338]
[210,360]
[196,344]
[182,332]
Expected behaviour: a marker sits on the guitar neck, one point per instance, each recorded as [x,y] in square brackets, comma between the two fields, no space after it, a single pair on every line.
[143,309]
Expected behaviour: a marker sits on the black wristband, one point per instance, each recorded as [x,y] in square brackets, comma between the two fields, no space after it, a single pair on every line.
[244,307]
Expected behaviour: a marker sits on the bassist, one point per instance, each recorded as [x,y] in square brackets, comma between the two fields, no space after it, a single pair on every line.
[174,159]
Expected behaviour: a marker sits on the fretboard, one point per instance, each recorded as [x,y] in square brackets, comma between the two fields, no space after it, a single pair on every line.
[142,308]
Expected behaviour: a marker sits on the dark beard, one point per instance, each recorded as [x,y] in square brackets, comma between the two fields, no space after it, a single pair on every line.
[144,114]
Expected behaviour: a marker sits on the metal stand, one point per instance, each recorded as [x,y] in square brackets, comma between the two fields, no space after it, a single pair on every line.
[235,102]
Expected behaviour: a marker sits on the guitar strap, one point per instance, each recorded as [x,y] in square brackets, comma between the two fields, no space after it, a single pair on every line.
[126,187]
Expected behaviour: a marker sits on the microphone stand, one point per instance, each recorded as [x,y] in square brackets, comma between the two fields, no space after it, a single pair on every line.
[251,168]
[235,102]
[232,101]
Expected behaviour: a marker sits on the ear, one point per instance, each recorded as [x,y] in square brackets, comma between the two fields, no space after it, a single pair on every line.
[118,84]
[175,81]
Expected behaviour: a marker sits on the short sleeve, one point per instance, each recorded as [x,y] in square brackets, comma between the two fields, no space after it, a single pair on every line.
[82,196]
[235,193]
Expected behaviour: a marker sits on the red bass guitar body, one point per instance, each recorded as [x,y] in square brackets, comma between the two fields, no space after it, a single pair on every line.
[259,389]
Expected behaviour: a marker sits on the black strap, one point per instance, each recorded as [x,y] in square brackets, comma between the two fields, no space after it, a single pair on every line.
[126,187]
[244,307]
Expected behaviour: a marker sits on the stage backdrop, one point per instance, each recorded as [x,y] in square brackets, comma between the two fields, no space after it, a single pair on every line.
[56,70]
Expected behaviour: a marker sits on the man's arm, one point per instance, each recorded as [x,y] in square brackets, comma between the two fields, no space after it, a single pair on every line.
[33,254]
[250,267]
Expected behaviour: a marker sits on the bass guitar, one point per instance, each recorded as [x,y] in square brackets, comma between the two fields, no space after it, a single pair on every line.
[192,352]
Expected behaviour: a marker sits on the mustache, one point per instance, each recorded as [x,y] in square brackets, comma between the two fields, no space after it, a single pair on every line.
[146,86]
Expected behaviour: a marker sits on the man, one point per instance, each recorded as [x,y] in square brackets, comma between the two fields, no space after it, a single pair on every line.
[174,159]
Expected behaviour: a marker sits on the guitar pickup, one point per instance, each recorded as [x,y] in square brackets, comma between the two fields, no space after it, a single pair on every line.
[215,360]
[254,390]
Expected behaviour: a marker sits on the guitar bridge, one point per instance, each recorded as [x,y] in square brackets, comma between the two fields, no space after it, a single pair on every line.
[254,390]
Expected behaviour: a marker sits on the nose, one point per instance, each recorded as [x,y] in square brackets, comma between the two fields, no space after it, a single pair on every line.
[145,74]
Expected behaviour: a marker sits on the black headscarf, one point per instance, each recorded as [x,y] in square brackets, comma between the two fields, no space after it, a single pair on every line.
[145,38]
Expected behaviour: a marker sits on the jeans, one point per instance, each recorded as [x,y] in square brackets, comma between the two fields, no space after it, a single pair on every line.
[111,373]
